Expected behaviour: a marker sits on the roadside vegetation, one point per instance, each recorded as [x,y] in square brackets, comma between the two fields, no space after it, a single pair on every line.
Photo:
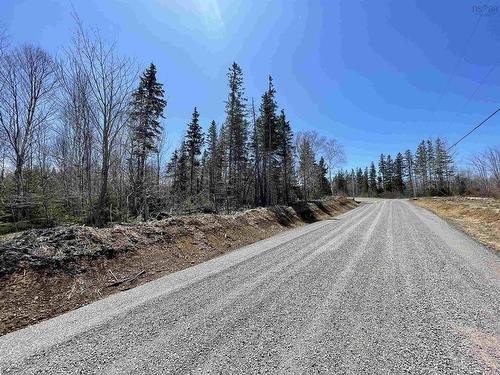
[478,217]
[87,143]
[46,272]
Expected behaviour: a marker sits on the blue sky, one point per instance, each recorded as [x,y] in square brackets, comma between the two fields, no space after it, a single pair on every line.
[376,75]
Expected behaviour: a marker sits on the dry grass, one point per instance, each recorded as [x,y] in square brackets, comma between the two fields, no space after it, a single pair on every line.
[478,217]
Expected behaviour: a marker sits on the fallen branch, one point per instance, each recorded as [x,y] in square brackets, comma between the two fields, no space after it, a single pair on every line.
[125,280]
[114,277]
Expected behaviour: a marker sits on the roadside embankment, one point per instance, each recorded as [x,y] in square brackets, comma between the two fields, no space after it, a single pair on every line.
[478,217]
[46,272]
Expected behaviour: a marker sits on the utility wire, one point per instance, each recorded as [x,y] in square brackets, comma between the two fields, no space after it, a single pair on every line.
[483,80]
[477,126]
[460,59]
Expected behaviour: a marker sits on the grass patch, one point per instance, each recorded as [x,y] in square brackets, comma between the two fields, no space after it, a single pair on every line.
[478,217]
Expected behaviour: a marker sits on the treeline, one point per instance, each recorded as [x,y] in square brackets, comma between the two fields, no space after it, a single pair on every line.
[429,170]
[83,139]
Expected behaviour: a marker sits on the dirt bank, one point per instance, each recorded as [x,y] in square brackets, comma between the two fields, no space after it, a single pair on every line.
[46,272]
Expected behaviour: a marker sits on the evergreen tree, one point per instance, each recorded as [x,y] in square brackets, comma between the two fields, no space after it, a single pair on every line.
[398,172]
[388,174]
[285,153]
[359,181]
[382,172]
[409,170]
[366,182]
[177,170]
[148,105]
[339,182]
[193,144]
[443,168]
[256,150]
[430,164]
[373,179]
[237,134]
[268,139]
[212,162]
[323,184]
[421,165]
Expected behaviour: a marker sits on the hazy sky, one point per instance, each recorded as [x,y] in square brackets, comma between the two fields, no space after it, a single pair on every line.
[376,75]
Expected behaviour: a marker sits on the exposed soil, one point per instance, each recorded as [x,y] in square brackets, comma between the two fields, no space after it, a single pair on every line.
[46,272]
[478,217]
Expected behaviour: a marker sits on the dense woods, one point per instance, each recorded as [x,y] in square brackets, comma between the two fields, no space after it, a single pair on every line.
[83,135]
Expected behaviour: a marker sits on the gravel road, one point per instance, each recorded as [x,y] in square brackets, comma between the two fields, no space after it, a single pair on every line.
[387,288]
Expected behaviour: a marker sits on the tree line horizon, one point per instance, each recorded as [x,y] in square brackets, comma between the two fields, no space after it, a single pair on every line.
[82,139]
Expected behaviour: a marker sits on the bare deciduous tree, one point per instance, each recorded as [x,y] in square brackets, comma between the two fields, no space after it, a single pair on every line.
[28,82]
[110,79]
[487,169]
[334,156]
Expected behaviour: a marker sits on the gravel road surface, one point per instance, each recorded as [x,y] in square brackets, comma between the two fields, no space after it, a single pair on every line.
[387,288]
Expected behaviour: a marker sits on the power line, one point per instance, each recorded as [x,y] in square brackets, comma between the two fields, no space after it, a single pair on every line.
[477,126]
[483,80]
[460,59]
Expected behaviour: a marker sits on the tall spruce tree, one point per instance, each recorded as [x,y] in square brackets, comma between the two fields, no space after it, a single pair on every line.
[382,172]
[268,139]
[237,135]
[323,184]
[366,182]
[409,170]
[285,153]
[398,173]
[373,179]
[194,143]
[257,158]
[388,173]
[148,104]
[430,165]
[213,163]
[421,166]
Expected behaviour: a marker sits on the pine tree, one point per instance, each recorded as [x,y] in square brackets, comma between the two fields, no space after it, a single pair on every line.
[256,150]
[213,164]
[323,184]
[268,139]
[177,170]
[341,182]
[430,164]
[366,182]
[421,165]
[237,134]
[359,181]
[285,153]
[443,169]
[382,172]
[409,170]
[148,105]
[398,172]
[388,173]
[373,179]
[194,142]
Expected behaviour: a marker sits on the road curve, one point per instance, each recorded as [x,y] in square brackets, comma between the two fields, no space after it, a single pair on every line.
[387,288]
